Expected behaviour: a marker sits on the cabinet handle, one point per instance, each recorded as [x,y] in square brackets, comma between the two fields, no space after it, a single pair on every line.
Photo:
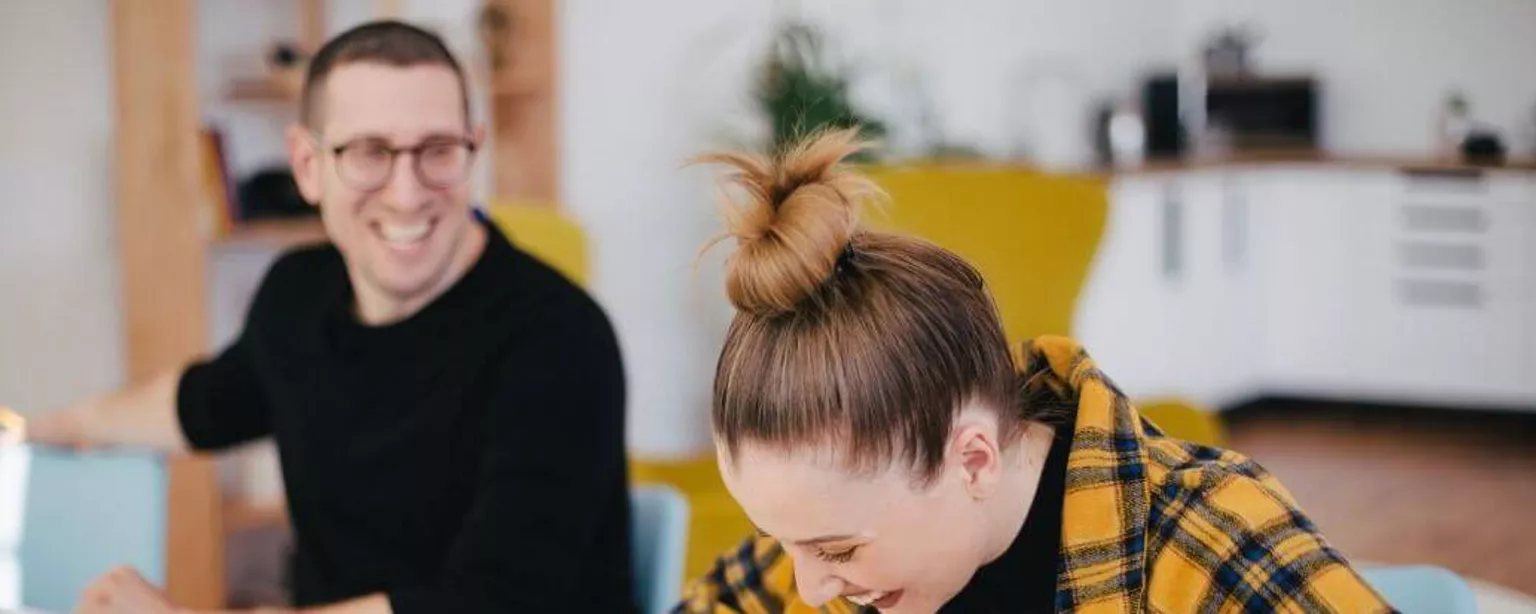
[1444,218]
[1432,256]
[1433,180]
[1234,227]
[1172,256]
[1440,293]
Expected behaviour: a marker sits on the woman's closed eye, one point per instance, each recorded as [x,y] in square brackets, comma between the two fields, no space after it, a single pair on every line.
[837,556]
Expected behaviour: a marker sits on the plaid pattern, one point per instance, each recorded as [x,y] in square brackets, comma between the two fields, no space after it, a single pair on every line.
[1153,524]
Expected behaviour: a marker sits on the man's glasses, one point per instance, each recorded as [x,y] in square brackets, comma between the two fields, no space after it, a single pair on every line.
[366,164]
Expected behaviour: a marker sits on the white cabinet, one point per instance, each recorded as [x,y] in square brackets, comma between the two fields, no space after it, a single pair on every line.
[1311,232]
[1170,293]
[1126,313]
[1358,284]
[1218,308]
[1446,295]
[1527,266]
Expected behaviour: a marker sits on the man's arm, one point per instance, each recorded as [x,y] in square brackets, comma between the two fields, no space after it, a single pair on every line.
[140,416]
[209,404]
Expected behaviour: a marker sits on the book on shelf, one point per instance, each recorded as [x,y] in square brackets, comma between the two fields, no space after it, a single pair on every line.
[220,208]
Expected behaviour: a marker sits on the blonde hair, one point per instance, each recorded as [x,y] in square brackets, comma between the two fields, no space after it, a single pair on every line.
[842,334]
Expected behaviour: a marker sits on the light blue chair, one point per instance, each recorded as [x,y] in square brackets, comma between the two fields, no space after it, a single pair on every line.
[1422,589]
[85,514]
[659,545]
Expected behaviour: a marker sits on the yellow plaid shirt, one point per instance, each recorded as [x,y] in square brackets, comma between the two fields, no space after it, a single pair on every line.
[1152,524]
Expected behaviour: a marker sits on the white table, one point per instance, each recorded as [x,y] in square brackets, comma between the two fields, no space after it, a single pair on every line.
[14,465]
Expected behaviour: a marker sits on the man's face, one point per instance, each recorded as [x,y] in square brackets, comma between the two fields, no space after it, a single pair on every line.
[400,226]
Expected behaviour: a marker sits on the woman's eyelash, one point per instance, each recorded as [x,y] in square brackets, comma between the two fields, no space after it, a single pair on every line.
[837,557]
[842,556]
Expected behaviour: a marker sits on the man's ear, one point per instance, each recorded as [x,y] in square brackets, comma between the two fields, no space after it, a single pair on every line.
[304,156]
[477,136]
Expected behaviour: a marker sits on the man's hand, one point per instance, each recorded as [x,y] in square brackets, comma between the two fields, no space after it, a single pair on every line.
[142,416]
[123,591]
[63,428]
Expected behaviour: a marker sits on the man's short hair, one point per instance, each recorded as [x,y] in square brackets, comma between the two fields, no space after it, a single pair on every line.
[388,42]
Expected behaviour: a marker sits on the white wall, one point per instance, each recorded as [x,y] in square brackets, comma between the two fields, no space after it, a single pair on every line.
[60,328]
[1385,65]
[645,86]
[980,61]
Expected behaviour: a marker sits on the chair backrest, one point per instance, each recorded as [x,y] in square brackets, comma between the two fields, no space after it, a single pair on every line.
[547,233]
[1184,420]
[1422,589]
[81,516]
[1032,235]
[659,546]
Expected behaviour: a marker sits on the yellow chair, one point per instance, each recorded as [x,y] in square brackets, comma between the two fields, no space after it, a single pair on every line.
[1032,235]
[1185,421]
[546,233]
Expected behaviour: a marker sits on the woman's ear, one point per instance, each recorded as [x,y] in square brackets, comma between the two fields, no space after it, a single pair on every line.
[976,454]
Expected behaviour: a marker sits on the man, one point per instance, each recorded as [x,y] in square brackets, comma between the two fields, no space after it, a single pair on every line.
[449,412]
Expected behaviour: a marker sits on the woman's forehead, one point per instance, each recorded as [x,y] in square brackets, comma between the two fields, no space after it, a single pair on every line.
[808,493]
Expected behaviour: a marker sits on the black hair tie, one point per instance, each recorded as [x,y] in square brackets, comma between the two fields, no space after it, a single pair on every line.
[845,259]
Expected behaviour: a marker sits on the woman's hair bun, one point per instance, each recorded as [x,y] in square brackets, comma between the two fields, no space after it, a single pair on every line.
[800,212]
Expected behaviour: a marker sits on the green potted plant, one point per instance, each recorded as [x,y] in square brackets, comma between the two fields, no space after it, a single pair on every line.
[800,91]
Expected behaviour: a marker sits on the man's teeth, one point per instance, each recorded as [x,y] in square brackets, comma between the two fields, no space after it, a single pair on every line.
[866,598]
[404,234]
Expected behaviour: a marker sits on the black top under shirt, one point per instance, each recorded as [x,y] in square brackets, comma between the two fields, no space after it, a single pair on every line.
[469,458]
[1023,579]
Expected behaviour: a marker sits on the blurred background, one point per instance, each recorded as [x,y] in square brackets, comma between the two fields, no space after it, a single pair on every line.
[1304,230]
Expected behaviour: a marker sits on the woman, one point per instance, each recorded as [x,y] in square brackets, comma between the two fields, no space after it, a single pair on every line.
[871,420]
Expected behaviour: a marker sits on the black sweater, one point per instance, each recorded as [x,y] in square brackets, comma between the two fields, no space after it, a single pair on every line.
[469,458]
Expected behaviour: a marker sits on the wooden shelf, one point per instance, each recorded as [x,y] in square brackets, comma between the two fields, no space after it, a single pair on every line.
[266,91]
[279,233]
[249,515]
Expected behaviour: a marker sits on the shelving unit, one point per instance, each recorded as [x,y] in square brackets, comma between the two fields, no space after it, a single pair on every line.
[524,105]
[260,91]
